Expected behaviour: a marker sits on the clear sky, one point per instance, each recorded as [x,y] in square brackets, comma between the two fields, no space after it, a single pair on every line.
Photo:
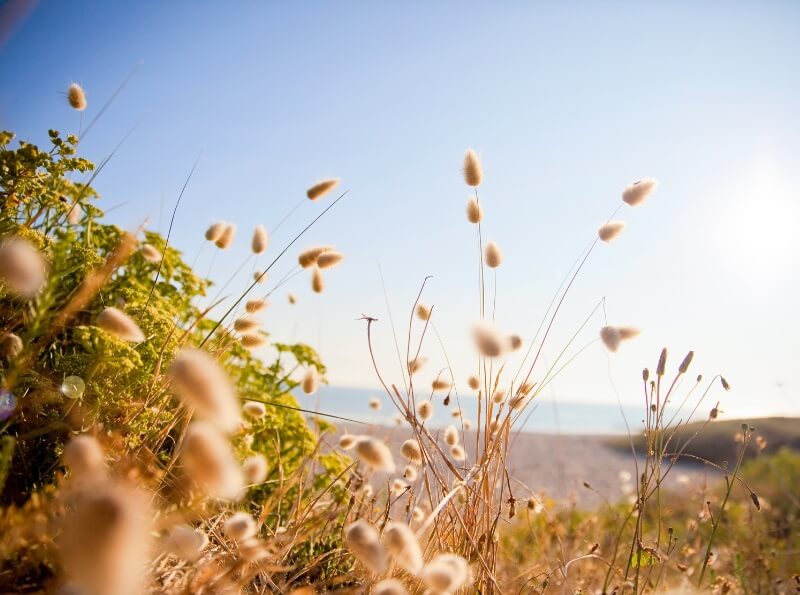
[565,102]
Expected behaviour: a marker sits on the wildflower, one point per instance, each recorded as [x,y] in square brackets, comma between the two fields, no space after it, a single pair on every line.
[150,253]
[225,239]
[201,383]
[637,193]
[610,230]
[84,457]
[215,231]
[10,346]
[104,540]
[116,323]
[488,340]
[254,469]
[416,364]
[310,381]
[440,384]
[403,545]
[364,541]
[473,382]
[22,268]
[255,409]
[423,312]
[185,542]
[310,256]
[254,306]
[410,473]
[425,410]
[389,586]
[493,256]
[76,97]
[260,239]
[320,189]
[329,259]
[317,282]
[474,210]
[375,454]
[446,573]
[239,526]
[375,404]
[473,172]
[612,336]
[451,435]
[458,452]
[208,461]
[347,441]
[252,340]
[411,451]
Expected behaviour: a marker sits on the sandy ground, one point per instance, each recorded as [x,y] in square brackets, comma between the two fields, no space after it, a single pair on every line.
[558,465]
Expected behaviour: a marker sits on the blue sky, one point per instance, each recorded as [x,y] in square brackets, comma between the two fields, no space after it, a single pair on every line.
[566,104]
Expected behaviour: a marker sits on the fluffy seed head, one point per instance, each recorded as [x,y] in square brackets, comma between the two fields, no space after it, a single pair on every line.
[488,340]
[208,461]
[347,441]
[661,368]
[411,451]
[74,214]
[185,542]
[245,325]
[239,526]
[401,543]
[446,573]
[687,361]
[310,256]
[425,410]
[260,277]
[473,172]
[317,282]
[375,454]
[519,401]
[389,586]
[473,382]
[310,381]
[225,239]
[474,210]
[10,346]
[514,342]
[610,230]
[417,514]
[493,256]
[451,435]
[215,231]
[375,404]
[410,473]
[499,395]
[416,364]
[458,453]
[467,424]
[252,340]
[255,409]
[292,298]
[117,323]
[254,469]
[628,332]
[22,268]
[84,457]
[364,541]
[329,259]
[637,193]
[321,188]
[398,486]
[76,97]
[440,384]
[253,306]
[202,384]
[423,312]
[260,239]
[610,337]
[150,253]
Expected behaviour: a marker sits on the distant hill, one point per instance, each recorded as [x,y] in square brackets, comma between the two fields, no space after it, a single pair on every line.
[717,441]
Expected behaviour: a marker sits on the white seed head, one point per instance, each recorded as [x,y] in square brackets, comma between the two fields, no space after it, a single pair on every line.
[639,191]
[150,253]
[451,435]
[309,257]
[225,239]
[610,230]
[255,469]
[347,441]
[612,336]
[474,210]
[389,586]
[364,541]
[76,97]
[22,269]
[185,542]
[84,457]
[239,526]
[425,410]
[410,473]
[375,454]
[473,172]
[260,239]
[488,340]
[322,188]
[329,259]
[411,451]
[75,214]
[116,323]
[493,255]
[401,543]
[215,231]
[208,461]
[417,514]
[255,409]
[446,573]
[499,395]
[202,384]
[458,453]
[310,382]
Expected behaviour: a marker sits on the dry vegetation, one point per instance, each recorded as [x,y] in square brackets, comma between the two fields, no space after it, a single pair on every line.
[143,448]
